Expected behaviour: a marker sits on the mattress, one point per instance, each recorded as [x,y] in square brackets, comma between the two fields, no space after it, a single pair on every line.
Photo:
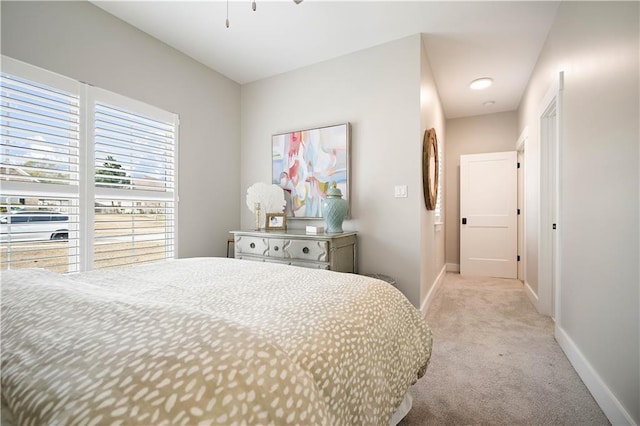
[207,341]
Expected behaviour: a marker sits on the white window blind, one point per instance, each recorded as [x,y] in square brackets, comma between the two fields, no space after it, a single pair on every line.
[132,231]
[39,161]
[133,151]
[88,177]
[134,182]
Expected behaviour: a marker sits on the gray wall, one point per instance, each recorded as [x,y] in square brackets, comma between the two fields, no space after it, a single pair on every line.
[79,40]
[378,91]
[596,45]
[472,135]
[431,231]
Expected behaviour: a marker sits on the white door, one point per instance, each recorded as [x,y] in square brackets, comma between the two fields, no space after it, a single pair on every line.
[488,212]
[548,279]
[554,208]
[520,215]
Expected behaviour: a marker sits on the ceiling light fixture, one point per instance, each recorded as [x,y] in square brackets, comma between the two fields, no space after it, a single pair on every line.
[489,103]
[481,83]
[253,6]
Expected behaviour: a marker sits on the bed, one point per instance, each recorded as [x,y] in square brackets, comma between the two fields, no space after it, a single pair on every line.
[207,341]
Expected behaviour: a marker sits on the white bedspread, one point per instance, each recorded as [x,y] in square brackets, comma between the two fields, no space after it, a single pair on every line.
[207,340]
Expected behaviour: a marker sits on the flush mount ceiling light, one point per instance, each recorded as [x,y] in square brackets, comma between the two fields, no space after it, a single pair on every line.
[489,103]
[481,83]
[253,7]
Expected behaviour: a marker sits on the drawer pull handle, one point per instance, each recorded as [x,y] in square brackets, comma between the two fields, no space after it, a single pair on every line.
[305,250]
[252,245]
[276,248]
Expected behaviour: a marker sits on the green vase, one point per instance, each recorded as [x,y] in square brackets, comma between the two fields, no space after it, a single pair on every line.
[334,210]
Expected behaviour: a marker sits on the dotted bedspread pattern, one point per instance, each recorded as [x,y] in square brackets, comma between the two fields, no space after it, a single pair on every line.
[207,341]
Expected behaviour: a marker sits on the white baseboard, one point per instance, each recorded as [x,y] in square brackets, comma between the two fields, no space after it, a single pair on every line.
[607,401]
[433,290]
[533,298]
[453,267]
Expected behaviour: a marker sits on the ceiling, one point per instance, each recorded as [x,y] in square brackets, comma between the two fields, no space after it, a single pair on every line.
[463,40]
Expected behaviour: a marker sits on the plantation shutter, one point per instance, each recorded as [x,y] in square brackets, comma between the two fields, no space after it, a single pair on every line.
[87,176]
[39,169]
[135,182]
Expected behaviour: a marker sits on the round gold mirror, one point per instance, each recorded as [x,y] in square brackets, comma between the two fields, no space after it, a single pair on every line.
[430,168]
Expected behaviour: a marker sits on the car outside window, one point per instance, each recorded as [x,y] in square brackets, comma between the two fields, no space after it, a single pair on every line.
[34,226]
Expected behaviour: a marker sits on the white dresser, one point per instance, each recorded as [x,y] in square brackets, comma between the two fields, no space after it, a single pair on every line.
[336,252]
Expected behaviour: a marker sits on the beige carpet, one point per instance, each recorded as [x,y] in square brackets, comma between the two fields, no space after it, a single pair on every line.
[495,361]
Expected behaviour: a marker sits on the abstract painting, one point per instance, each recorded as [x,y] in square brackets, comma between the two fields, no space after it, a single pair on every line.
[306,163]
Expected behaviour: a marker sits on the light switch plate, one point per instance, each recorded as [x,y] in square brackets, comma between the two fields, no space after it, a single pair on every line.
[401,191]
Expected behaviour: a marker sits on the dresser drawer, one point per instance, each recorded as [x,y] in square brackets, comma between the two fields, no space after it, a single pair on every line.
[276,248]
[307,250]
[251,245]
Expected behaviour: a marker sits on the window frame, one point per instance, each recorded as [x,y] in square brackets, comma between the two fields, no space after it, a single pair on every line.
[85,191]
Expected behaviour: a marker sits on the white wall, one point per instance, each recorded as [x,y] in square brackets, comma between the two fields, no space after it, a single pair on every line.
[377,90]
[81,41]
[432,236]
[596,45]
[471,135]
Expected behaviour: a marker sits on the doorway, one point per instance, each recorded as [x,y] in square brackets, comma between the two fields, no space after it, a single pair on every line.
[549,247]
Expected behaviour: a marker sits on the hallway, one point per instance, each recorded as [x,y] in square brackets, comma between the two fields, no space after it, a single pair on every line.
[495,361]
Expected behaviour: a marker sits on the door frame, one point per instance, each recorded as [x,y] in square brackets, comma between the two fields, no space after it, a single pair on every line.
[549,255]
[521,145]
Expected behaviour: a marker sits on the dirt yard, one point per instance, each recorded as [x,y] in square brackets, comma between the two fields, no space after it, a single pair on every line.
[112,246]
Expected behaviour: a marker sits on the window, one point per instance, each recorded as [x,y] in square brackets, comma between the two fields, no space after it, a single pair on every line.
[134,163]
[438,209]
[92,174]
[39,158]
